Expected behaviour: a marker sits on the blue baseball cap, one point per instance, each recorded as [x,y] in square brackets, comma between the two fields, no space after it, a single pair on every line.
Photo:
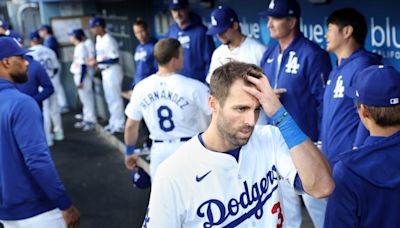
[34,36]
[45,27]
[78,33]
[140,178]
[178,4]
[282,8]
[97,21]
[10,47]
[376,85]
[221,20]
[4,24]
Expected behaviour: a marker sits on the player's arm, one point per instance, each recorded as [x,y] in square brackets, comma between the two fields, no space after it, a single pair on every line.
[130,137]
[311,165]
[44,82]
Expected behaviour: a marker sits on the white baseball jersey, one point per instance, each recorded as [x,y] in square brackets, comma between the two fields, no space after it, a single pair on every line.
[81,55]
[90,47]
[106,48]
[196,187]
[47,58]
[249,51]
[172,106]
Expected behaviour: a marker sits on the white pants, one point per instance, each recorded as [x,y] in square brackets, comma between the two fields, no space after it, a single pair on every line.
[51,116]
[49,219]
[59,90]
[87,98]
[292,207]
[112,82]
[161,151]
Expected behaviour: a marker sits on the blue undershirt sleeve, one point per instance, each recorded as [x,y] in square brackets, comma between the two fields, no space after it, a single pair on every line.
[45,83]
[83,72]
[109,61]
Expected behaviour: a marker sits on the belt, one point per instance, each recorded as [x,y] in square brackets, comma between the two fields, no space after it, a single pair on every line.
[172,140]
[106,67]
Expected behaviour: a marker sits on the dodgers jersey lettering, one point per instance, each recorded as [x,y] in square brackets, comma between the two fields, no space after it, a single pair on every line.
[180,111]
[229,193]
[145,64]
[47,58]
[106,49]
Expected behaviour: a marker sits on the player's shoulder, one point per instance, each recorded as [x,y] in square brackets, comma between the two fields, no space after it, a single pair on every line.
[254,42]
[266,132]
[190,81]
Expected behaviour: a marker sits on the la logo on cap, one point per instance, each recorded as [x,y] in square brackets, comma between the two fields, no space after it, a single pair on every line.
[16,41]
[394,101]
[175,1]
[214,21]
[272,4]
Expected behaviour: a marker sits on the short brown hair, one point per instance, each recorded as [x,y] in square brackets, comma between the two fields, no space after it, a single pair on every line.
[140,22]
[384,116]
[165,50]
[224,76]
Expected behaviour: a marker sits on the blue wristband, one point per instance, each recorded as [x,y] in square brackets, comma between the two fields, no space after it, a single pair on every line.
[129,149]
[291,133]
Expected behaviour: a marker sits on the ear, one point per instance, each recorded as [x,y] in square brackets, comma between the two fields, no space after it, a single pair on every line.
[213,104]
[363,112]
[235,25]
[292,22]
[348,31]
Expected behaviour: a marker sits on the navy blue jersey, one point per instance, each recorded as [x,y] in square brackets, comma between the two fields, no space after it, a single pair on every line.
[367,192]
[340,118]
[37,76]
[145,64]
[303,72]
[197,47]
[52,43]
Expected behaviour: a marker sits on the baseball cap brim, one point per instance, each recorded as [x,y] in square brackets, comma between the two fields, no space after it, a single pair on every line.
[268,13]
[213,30]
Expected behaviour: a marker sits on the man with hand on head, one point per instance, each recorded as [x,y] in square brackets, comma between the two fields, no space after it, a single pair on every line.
[367,179]
[31,191]
[228,175]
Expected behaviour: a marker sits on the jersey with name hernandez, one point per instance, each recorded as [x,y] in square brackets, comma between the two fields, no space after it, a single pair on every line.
[197,187]
[172,106]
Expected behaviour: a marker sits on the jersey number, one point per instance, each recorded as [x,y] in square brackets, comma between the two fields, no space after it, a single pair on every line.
[165,118]
[276,209]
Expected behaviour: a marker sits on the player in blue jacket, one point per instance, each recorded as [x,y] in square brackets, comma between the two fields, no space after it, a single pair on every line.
[347,30]
[198,47]
[50,41]
[32,194]
[367,179]
[297,69]
[37,77]
[5,30]
[145,64]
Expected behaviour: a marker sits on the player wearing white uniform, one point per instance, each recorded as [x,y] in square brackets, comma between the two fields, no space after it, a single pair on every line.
[235,45]
[173,106]
[83,80]
[228,175]
[107,58]
[92,55]
[51,111]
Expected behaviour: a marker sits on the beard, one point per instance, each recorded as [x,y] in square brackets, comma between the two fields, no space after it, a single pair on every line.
[19,77]
[231,134]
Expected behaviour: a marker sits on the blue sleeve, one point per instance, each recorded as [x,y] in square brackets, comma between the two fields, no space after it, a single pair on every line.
[361,134]
[109,61]
[83,72]
[317,75]
[343,205]
[298,185]
[44,82]
[29,134]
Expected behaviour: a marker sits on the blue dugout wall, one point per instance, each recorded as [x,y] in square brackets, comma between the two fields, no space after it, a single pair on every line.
[382,18]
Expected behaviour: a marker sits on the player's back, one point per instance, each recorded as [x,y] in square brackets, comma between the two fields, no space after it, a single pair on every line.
[47,58]
[172,106]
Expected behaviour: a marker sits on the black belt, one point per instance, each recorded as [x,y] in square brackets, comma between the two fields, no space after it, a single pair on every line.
[172,140]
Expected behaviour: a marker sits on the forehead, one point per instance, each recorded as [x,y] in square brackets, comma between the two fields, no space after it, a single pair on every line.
[237,96]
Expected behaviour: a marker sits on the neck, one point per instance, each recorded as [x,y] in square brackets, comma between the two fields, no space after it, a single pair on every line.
[165,71]
[345,51]
[214,141]
[383,131]
[286,41]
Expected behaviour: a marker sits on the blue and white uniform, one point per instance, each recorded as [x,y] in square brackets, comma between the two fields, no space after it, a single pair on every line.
[37,77]
[302,69]
[367,192]
[51,110]
[197,47]
[145,63]
[29,182]
[174,109]
[92,55]
[197,187]
[51,42]
[79,70]
[107,57]
[340,118]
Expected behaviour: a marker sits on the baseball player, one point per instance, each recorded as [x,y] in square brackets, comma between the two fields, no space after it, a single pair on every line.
[145,64]
[107,58]
[228,175]
[51,110]
[367,179]
[347,30]
[82,80]
[32,194]
[235,45]
[297,68]
[50,41]
[5,30]
[174,107]
[197,45]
